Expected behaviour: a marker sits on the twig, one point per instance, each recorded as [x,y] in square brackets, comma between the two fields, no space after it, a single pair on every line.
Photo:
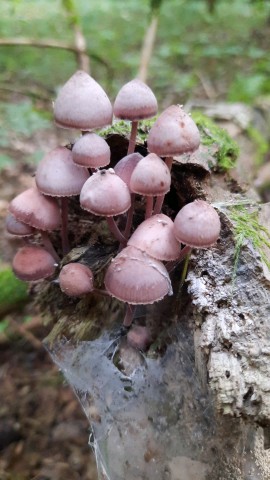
[147,48]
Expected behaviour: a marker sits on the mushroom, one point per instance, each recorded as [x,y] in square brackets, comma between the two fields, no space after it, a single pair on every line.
[173,133]
[155,236]
[17,228]
[151,177]
[76,279]
[91,151]
[39,212]
[105,194]
[58,176]
[136,278]
[82,104]
[33,263]
[135,101]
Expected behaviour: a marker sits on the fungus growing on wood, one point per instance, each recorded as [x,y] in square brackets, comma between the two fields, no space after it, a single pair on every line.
[76,279]
[33,263]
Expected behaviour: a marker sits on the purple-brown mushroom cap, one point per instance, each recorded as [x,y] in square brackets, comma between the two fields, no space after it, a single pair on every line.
[91,151]
[124,168]
[58,176]
[82,104]
[33,263]
[173,133]
[17,228]
[151,176]
[136,278]
[155,236]
[105,194]
[76,279]
[197,225]
[135,101]
[36,210]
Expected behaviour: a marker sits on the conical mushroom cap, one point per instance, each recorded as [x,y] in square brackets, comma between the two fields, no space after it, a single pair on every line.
[124,168]
[91,151]
[151,176]
[82,104]
[105,194]
[197,224]
[58,176]
[37,210]
[155,236]
[136,278]
[174,133]
[33,263]
[135,101]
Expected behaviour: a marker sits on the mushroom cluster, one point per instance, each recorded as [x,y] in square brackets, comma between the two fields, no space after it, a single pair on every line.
[139,273]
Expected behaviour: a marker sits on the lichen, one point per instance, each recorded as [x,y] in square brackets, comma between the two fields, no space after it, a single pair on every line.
[211,134]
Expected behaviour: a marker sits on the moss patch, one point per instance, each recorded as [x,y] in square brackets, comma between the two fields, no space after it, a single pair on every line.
[227,149]
[12,291]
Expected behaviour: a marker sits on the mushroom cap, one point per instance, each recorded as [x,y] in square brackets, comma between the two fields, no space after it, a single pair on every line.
[135,101]
[151,176]
[15,227]
[58,176]
[33,208]
[91,151]
[76,279]
[155,236]
[136,278]
[82,104]
[33,263]
[105,194]
[124,168]
[139,337]
[173,133]
[197,224]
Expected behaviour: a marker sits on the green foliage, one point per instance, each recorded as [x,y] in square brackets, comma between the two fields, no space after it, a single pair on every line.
[70,8]
[260,143]
[211,134]
[12,290]
[247,227]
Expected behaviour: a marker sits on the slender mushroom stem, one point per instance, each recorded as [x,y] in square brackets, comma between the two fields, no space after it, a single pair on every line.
[182,281]
[132,138]
[160,199]
[115,230]
[183,253]
[149,206]
[64,229]
[129,315]
[48,245]
[130,216]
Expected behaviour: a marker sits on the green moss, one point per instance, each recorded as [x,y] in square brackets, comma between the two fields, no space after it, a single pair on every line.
[12,290]
[247,227]
[123,128]
[211,134]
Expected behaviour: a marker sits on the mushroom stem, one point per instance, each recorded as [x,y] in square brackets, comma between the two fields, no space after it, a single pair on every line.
[183,253]
[130,216]
[160,199]
[48,245]
[149,206]
[129,315]
[115,230]
[132,138]
[64,230]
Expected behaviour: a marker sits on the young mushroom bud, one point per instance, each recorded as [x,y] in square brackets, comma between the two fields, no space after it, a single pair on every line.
[76,279]
[91,151]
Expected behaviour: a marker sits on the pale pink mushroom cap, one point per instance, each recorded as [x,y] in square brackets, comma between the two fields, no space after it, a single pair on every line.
[124,168]
[91,151]
[76,279]
[173,133]
[139,337]
[155,236]
[58,176]
[33,263]
[135,101]
[136,278]
[36,210]
[82,104]
[197,225]
[105,194]
[151,176]
[17,228]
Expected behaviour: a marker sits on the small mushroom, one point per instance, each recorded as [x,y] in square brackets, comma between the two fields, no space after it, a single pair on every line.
[76,279]
[91,151]
[33,263]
